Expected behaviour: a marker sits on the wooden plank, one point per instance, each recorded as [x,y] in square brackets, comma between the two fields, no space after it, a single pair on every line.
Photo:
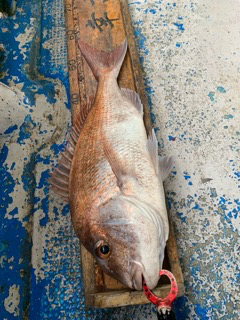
[104,25]
[136,69]
[88,274]
[73,73]
[173,256]
[126,297]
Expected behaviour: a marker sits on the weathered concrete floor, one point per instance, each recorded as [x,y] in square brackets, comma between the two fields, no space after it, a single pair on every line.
[190,52]
[190,57]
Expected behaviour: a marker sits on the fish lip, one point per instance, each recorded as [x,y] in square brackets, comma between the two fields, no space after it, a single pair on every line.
[139,275]
[150,284]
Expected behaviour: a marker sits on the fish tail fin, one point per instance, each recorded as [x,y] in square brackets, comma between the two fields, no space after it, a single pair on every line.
[102,62]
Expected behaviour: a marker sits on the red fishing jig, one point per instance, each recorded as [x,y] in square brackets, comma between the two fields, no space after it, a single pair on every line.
[164,305]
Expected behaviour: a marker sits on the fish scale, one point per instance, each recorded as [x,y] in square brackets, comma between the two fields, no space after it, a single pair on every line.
[90,171]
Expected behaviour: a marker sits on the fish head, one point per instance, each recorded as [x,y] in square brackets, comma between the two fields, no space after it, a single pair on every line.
[128,242]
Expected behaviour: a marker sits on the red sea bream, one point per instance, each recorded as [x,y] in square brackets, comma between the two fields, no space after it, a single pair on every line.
[113,178]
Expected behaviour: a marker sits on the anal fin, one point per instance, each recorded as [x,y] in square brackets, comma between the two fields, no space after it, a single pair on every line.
[162,165]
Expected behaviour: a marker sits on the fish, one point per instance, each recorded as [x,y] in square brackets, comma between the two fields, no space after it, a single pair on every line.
[112,176]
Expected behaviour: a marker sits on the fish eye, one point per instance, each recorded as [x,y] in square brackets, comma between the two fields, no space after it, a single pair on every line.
[102,249]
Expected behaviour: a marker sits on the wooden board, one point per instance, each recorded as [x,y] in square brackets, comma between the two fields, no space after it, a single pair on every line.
[104,24]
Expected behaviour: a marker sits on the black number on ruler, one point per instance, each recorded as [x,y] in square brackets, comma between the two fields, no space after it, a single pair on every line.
[70,34]
[100,22]
[68,7]
[75,98]
[93,2]
[72,65]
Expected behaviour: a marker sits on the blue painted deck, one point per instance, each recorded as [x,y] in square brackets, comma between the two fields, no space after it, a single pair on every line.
[194,106]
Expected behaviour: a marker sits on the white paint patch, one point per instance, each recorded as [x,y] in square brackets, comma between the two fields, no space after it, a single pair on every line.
[51,130]
[191,61]
[26,37]
[11,303]
[12,108]
[54,38]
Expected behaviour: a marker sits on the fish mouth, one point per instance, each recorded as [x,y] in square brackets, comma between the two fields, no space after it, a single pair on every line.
[138,275]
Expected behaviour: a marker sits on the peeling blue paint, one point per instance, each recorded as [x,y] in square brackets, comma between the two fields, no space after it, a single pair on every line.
[28,177]
[49,298]
[201,311]
[153,11]
[25,129]
[13,166]
[181,308]
[65,210]
[57,148]
[11,129]
[179,26]
[222,200]
[196,207]
[45,160]
[18,247]
[168,202]
[43,179]
[171,138]
[181,216]
[14,211]
[228,116]
[7,182]
[221,89]
[3,154]
[44,205]
[211,96]
[141,40]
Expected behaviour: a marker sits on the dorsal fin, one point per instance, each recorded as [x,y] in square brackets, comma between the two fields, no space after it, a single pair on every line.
[134,98]
[60,177]
[152,146]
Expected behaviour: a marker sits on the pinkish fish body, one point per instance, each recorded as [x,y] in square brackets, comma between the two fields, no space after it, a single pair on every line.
[113,177]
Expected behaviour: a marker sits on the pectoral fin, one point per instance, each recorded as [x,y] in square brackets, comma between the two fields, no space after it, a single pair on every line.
[152,146]
[162,165]
[114,162]
[165,167]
